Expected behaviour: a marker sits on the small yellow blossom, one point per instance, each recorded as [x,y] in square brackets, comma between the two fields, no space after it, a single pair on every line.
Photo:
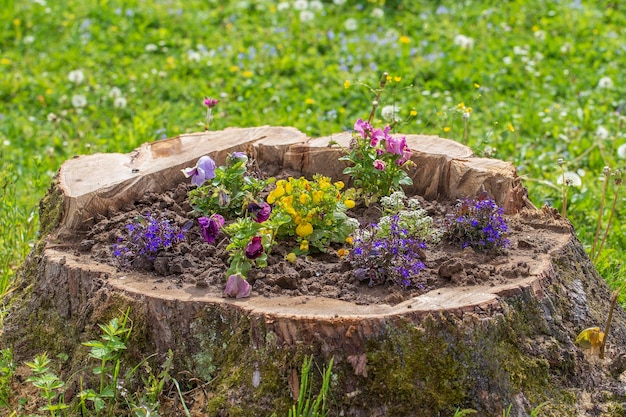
[291,257]
[5,61]
[349,203]
[346,84]
[460,106]
[413,113]
[233,68]
[113,28]
[389,78]
[342,252]
[547,110]
[349,240]
[309,101]
[247,74]
[397,79]
[339,185]
[342,110]
[476,85]
[17,22]
[304,246]
[510,127]
[304,229]
[405,39]
[535,28]
[170,62]
[468,110]
[305,198]
[447,129]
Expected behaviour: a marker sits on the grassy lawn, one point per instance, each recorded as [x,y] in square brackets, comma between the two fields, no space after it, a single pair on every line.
[531,82]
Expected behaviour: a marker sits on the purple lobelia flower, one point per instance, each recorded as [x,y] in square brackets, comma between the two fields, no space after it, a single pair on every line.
[237,287]
[210,227]
[203,171]
[259,212]
[254,248]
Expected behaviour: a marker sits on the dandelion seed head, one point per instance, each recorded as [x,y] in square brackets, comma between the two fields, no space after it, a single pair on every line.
[571,179]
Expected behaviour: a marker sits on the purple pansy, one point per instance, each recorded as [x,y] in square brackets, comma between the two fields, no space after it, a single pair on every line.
[210,227]
[254,248]
[203,171]
[259,212]
[237,287]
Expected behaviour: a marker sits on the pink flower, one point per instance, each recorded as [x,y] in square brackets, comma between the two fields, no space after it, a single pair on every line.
[210,227]
[254,248]
[379,165]
[395,145]
[259,212]
[210,102]
[237,287]
[406,155]
[363,128]
[377,136]
[204,170]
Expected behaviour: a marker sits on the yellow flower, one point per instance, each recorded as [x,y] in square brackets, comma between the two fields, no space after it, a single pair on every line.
[247,74]
[476,85]
[510,127]
[349,203]
[304,246]
[305,198]
[342,252]
[349,240]
[413,113]
[5,61]
[233,68]
[405,39]
[339,185]
[291,257]
[447,129]
[317,196]
[304,229]
[289,188]
[309,101]
[397,79]
[281,183]
[346,84]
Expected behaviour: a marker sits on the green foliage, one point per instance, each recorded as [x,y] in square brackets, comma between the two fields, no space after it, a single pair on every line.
[7,368]
[48,383]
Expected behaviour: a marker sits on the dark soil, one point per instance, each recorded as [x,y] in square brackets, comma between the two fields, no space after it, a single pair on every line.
[325,274]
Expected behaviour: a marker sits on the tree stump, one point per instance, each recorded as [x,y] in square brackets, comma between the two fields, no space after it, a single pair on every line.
[485,347]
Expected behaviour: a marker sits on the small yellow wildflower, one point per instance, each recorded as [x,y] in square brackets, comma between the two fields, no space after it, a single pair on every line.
[233,68]
[291,257]
[547,110]
[309,101]
[460,106]
[304,246]
[510,127]
[447,129]
[247,74]
[5,61]
[389,78]
[349,240]
[17,22]
[349,203]
[113,28]
[468,110]
[304,229]
[397,79]
[413,113]
[535,28]
[342,252]
[476,85]
[404,39]
[346,84]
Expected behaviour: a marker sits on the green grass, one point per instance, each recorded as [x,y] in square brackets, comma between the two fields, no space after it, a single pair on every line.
[534,68]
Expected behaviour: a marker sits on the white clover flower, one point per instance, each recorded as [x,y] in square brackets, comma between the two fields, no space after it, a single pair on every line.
[119,102]
[115,92]
[605,82]
[282,6]
[306,16]
[351,24]
[378,13]
[301,4]
[464,42]
[79,101]
[520,50]
[76,76]
[28,39]
[572,179]
[194,55]
[390,113]
[621,151]
[339,2]
[507,60]
[540,35]
[316,5]
[151,47]
[602,132]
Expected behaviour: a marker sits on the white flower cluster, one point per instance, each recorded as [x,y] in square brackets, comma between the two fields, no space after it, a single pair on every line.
[412,219]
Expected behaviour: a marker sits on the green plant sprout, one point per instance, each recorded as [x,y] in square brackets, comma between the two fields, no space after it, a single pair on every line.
[617,182]
[48,383]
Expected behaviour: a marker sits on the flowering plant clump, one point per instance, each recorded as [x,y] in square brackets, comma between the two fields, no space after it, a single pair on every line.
[316,212]
[145,237]
[478,223]
[411,218]
[389,255]
[226,190]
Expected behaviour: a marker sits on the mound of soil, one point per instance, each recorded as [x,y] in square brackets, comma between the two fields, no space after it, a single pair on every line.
[323,274]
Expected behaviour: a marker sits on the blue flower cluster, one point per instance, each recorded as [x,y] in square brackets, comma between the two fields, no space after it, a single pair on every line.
[382,257]
[479,224]
[146,237]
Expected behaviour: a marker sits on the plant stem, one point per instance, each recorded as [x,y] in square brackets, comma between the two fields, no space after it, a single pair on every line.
[383,82]
[607,172]
[607,327]
[618,181]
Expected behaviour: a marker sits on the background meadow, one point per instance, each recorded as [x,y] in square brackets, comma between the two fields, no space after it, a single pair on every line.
[529,82]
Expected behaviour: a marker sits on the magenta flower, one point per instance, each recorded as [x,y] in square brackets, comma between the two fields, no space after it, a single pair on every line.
[377,136]
[395,145]
[406,155]
[210,227]
[203,171]
[254,248]
[363,128]
[237,287]
[210,102]
[379,165]
[259,212]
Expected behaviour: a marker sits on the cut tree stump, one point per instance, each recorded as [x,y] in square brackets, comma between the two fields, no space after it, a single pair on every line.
[485,347]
